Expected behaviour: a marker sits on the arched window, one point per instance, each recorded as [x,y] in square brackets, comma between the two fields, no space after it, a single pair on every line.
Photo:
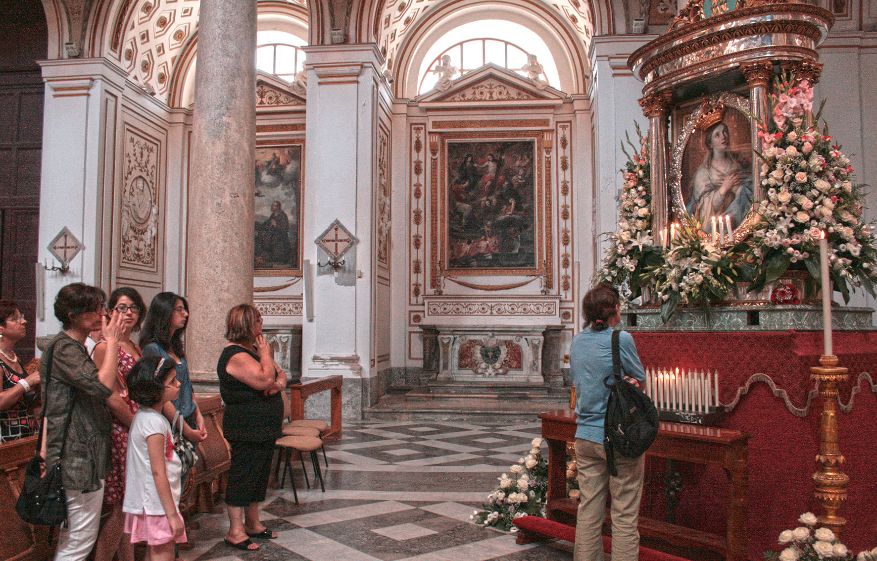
[472,45]
[280,53]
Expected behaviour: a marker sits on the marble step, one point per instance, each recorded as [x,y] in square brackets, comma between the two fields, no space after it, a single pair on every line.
[486,389]
[398,407]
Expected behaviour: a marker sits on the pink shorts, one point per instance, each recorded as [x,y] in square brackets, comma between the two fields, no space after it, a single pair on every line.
[150,529]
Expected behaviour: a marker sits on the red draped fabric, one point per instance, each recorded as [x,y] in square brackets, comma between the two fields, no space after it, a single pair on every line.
[783,446]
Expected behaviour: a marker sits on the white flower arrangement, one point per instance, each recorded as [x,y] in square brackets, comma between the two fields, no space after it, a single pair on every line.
[808,189]
[631,250]
[809,543]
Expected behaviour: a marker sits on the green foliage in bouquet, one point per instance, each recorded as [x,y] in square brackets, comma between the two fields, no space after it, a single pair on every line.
[808,188]
[695,271]
[631,252]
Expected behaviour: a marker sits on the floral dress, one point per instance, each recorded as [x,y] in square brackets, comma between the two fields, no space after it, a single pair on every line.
[114,489]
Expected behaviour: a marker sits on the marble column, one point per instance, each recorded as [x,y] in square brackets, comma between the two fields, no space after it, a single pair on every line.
[219,269]
[655,106]
[758,76]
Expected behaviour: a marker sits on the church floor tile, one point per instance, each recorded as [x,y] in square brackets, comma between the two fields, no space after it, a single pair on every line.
[395,491]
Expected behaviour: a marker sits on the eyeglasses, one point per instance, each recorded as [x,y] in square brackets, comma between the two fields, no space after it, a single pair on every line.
[180,309]
[124,309]
[16,319]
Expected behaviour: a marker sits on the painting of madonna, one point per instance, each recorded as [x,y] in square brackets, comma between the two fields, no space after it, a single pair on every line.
[717,171]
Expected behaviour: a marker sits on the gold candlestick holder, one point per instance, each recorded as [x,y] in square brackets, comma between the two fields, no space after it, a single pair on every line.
[831,483]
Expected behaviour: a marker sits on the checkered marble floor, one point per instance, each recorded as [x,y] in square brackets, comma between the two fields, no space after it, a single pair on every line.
[395,491]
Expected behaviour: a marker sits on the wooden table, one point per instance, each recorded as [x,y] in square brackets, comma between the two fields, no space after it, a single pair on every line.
[676,441]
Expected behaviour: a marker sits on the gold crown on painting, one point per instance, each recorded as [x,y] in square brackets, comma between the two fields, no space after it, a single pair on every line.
[711,112]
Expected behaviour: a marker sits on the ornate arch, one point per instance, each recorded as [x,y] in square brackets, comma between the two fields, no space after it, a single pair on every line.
[549,23]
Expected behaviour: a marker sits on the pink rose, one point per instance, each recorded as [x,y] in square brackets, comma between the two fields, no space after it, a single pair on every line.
[807,148]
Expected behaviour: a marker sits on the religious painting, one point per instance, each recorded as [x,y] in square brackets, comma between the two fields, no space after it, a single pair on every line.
[278,194]
[490,205]
[713,165]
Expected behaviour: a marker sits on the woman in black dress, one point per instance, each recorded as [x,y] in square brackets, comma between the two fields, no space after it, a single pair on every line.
[20,391]
[250,383]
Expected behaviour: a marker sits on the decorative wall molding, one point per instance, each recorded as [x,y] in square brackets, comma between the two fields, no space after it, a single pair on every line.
[415,225]
[140,200]
[282,309]
[564,174]
[383,207]
[271,96]
[518,307]
[491,90]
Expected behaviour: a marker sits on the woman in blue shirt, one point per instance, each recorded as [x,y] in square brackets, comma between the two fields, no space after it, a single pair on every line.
[162,336]
[590,365]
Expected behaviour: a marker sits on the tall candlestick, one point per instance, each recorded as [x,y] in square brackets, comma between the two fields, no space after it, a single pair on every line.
[826,296]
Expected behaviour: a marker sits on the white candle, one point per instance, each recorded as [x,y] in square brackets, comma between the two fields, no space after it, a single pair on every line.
[715,232]
[672,232]
[658,403]
[701,386]
[716,372]
[826,296]
[728,224]
[678,390]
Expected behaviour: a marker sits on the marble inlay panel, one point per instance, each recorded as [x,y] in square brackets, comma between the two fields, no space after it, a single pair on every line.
[401,532]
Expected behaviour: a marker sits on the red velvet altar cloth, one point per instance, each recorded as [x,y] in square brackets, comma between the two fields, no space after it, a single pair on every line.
[783,446]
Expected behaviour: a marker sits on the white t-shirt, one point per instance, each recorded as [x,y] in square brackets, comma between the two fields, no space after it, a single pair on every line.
[141,496]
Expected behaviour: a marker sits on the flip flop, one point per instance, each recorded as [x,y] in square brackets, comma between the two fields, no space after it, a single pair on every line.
[243,546]
[266,534]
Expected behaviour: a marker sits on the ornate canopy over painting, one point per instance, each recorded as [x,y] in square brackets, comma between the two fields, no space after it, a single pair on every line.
[490,203]
[279,172]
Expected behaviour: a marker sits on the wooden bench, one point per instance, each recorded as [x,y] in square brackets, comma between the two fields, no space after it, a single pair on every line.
[299,393]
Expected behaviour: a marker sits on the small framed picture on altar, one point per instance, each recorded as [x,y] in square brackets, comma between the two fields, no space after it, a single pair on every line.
[279,176]
[711,173]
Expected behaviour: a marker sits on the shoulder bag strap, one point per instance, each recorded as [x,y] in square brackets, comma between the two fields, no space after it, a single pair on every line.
[616,355]
[50,354]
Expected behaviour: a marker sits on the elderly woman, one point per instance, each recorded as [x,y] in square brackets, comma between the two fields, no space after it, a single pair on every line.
[250,383]
[78,424]
[19,392]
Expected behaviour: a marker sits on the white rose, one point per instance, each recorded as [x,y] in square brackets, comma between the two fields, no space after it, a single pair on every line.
[840,550]
[823,549]
[777,174]
[523,483]
[531,463]
[505,483]
[791,151]
[802,216]
[801,177]
[822,185]
[847,186]
[789,554]
[536,443]
[517,468]
[824,534]
[642,212]
[785,536]
[800,533]
[784,196]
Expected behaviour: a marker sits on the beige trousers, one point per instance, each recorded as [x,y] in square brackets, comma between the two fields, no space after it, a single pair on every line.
[626,491]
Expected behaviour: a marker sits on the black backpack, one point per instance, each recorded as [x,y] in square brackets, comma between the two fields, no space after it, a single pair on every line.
[631,424]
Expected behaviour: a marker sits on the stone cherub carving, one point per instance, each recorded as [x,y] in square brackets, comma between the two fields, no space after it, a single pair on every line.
[535,71]
[445,71]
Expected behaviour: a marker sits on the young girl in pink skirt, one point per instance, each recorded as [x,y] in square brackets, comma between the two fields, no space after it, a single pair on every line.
[153,469]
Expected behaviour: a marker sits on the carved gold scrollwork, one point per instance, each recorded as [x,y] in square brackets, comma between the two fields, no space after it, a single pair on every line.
[656,104]
[758,74]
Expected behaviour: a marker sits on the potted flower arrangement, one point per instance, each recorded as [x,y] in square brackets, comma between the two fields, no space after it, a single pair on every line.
[631,250]
[809,543]
[520,494]
[807,181]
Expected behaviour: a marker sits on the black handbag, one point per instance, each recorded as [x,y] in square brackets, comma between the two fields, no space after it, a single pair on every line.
[42,501]
[184,449]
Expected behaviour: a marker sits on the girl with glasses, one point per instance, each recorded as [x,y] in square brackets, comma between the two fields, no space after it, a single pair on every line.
[128,303]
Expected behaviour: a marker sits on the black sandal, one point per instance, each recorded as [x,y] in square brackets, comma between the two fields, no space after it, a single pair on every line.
[244,545]
[266,534]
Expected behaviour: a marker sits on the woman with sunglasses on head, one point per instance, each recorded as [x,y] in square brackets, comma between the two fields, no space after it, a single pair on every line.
[20,391]
[77,423]
[162,336]
[128,303]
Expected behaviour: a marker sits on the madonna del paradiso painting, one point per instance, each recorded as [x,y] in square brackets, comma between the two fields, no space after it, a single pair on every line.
[278,205]
[490,204]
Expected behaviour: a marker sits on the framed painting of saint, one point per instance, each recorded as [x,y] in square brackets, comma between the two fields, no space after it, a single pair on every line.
[491,200]
[279,176]
[712,168]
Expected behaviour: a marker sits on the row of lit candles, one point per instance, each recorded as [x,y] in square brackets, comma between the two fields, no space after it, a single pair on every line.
[721,228]
[669,234]
[691,391]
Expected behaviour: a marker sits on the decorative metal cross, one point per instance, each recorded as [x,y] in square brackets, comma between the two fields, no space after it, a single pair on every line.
[336,240]
[65,247]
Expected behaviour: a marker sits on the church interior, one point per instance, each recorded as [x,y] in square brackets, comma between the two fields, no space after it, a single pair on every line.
[416,195]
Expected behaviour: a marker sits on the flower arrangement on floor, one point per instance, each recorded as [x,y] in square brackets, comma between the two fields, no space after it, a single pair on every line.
[631,251]
[808,188]
[808,543]
[521,494]
[695,272]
